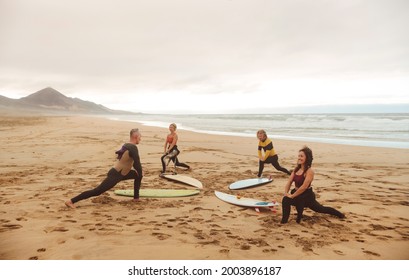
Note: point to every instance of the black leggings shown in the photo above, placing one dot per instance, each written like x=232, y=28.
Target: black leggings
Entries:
x=113, y=178
x=306, y=199
x=174, y=159
x=274, y=161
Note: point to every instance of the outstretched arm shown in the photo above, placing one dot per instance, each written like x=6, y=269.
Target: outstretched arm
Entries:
x=134, y=154
x=288, y=185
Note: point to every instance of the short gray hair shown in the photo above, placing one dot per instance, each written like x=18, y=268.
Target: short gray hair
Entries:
x=134, y=130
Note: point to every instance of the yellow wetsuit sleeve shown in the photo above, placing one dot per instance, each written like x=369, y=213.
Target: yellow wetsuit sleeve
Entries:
x=267, y=146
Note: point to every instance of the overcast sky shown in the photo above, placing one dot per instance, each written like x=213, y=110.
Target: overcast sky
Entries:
x=207, y=55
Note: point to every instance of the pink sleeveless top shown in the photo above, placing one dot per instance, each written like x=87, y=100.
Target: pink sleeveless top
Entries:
x=169, y=139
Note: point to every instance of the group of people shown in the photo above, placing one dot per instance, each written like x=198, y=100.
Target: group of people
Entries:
x=128, y=166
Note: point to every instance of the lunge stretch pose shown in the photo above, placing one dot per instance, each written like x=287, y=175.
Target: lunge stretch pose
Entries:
x=270, y=156
x=302, y=195
x=128, y=157
x=171, y=150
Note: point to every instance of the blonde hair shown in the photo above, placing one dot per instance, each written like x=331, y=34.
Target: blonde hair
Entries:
x=262, y=131
x=174, y=125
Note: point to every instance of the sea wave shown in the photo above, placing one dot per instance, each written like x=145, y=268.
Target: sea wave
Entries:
x=376, y=130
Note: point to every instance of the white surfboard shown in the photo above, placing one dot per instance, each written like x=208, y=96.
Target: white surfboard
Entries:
x=184, y=179
x=249, y=183
x=245, y=202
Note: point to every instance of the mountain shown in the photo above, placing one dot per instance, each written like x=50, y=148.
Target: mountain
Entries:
x=51, y=100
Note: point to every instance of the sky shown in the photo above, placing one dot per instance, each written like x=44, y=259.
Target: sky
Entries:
x=213, y=56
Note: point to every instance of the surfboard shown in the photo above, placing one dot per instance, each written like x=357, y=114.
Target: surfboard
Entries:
x=245, y=202
x=249, y=183
x=183, y=179
x=158, y=192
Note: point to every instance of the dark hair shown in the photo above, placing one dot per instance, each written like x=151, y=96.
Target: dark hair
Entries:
x=309, y=158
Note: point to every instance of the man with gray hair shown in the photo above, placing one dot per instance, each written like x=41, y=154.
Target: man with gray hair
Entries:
x=128, y=157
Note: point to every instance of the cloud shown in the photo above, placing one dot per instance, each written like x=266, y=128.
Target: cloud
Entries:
x=199, y=47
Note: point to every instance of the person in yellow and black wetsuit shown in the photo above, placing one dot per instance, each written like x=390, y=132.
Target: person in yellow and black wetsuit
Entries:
x=270, y=156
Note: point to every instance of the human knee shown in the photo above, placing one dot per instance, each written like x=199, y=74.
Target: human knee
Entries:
x=286, y=200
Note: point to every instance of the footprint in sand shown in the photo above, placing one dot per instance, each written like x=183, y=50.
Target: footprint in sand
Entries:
x=199, y=235
x=7, y=227
x=60, y=229
x=245, y=247
x=371, y=253
x=258, y=242
x=269, y=250
x=161, y=236
x=214, y=242
x=41, y=250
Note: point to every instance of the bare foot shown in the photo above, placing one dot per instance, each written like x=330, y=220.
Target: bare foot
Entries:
x=135, y=200
x=69, y=203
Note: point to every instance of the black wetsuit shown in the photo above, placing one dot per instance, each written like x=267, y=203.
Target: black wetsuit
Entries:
x=114, y=176
x=173, y=154
x=306, y=199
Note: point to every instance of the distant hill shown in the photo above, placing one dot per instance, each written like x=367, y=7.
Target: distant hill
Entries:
x=51, y=100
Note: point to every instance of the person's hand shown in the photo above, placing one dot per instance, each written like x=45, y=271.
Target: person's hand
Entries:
x=289, y=195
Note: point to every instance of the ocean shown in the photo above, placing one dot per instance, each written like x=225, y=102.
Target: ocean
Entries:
x=373, y=130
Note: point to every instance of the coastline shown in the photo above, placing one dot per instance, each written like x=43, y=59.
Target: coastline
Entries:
x=364, y=130
x=58, y=157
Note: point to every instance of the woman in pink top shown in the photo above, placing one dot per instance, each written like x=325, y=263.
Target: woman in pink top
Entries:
x=302, y=195
x=171, y=149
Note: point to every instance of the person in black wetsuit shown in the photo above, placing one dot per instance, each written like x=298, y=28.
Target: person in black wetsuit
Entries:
x=302, y=195
x=128, y=157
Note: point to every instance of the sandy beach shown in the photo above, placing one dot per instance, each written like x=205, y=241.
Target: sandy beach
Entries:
x=46, y=160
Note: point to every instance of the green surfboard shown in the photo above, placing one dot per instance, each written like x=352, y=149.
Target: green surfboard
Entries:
x=158, y=192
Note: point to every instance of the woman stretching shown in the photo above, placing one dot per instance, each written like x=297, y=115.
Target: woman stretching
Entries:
x=302, y=195
x=171, y=151
x=265, y=144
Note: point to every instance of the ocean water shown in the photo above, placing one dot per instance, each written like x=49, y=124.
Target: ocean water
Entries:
x=374, y=130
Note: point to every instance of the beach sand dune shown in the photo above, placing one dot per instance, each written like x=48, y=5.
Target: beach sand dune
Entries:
x=46, y=160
